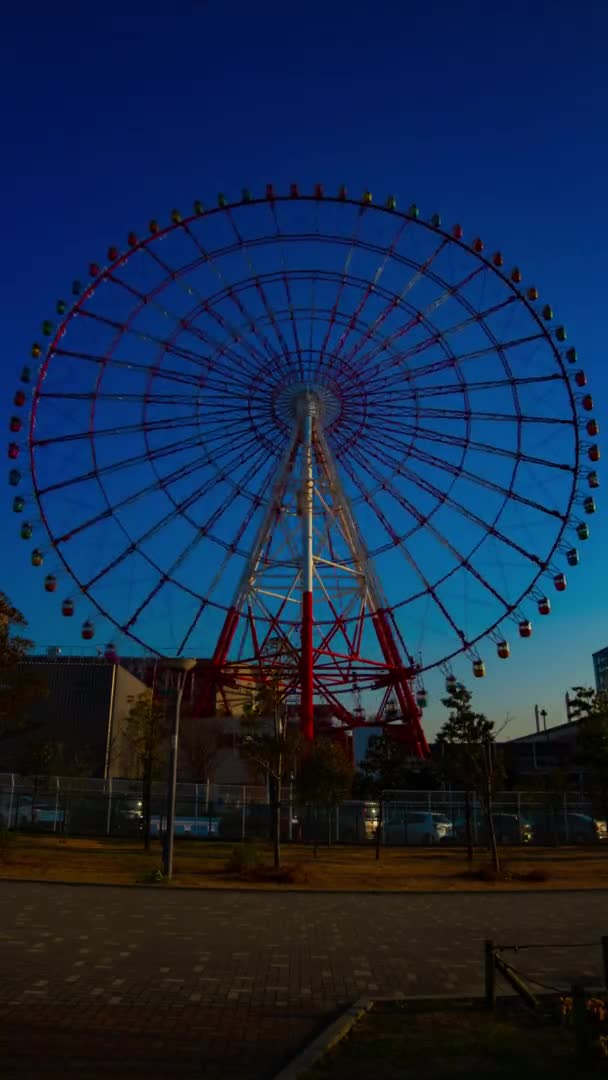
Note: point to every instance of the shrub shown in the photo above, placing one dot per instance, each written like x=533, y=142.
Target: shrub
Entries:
x=244, y=858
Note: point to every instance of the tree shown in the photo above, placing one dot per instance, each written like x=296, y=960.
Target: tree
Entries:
x=200, y=743
x=325, y=776
x=467, y=738
x=266, y=740
x=388, y=766
x=39, y=761
x=590, y=711
x=147, y=730
x=20, y=689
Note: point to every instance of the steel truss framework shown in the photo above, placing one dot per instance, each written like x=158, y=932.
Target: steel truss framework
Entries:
x=251, y=417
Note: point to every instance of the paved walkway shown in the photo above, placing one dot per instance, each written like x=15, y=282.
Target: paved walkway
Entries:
x=217, y=984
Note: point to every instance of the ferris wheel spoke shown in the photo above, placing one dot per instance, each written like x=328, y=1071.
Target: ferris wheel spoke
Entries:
x=448, y=389
x=231, y=292
x=379, y=379
x=135, y=460
x=425, y=520
x=120, y=429
x=130, y=365
x=422, y=412
x=487, y=527
x=178, y=509
x=444, y=438
x=367, y=290
x=438, y=337
x=400, y=546
x=183, y=325
x=160, y=484
x=394, y=301
x=228, y=555
x=442, y=465
x=268, y=308
x=449, y=292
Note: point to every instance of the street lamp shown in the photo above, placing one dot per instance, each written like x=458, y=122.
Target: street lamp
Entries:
x=181, y=666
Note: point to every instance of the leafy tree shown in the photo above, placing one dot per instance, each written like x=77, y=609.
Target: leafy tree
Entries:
x=20, y=688
x=590, y=710
x=266, y=740
x=388, y=766
x=147, y=730
x=200, y=744
x=467, y=738
x=325, y=776
x=39, y=761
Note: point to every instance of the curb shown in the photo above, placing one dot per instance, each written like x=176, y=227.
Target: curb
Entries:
x=325, y=1042
x=279, y=890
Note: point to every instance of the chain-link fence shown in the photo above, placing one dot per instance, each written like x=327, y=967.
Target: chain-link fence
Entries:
x=83, y=806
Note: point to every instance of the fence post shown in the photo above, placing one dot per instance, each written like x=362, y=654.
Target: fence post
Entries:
x=581, y=1024
x=243, y=797
x=56, y=815
x=490, y=974
x=196, y=802
x=566, y=829
x=337, y=824
x=605, y=959
x=290, y=822
x=10, y=801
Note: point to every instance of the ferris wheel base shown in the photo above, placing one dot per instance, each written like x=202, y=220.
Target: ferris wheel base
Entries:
x=226, y=685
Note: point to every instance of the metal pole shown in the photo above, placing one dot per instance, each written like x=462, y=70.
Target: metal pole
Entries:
x=306, y=702
x=490, y=974
x=182, y=667
x=109, y=809
x=10, y=801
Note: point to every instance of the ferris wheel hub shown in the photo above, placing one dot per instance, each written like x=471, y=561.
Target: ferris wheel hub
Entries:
x=304, y=399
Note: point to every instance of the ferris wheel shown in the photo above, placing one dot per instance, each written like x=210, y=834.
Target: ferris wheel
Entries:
x=312, y=431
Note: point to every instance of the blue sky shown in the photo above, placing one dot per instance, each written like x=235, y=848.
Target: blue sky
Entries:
x=493, y=114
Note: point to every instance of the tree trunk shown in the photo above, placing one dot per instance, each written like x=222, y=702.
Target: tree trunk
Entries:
x=488, y=802
x=276, y=823
x=146, y=799
x=468, y=825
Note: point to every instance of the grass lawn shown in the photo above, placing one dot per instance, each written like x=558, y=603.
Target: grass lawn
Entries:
x=395, y=1042
x=202, y=864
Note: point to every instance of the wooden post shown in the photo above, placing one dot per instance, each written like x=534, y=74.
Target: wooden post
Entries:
x=490, y=975
x=581, y=1025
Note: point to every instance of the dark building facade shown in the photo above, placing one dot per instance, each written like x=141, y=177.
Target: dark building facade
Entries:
x=600, y=670
x=83, y=716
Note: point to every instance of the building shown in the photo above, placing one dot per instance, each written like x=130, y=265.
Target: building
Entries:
x=82, y=717
x=600, y=669
x=532, y=756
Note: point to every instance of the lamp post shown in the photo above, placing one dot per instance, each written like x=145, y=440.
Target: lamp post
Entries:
x=181, y=666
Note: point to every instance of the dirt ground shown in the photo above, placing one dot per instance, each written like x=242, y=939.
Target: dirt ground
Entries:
x=202, y=864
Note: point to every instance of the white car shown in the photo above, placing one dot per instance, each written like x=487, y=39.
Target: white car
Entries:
x=416, y=827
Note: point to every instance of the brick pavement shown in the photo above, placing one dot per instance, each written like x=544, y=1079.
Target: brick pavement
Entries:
x=220, y=984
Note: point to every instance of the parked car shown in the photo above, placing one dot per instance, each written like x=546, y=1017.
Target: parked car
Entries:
x=416, y=827
x=350, y=823
x=552, y=826
x=508, y=829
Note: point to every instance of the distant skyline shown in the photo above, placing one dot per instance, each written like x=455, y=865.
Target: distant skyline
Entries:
x=493, y=115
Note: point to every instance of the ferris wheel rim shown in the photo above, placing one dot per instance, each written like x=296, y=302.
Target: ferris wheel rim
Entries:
x=174, y=226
